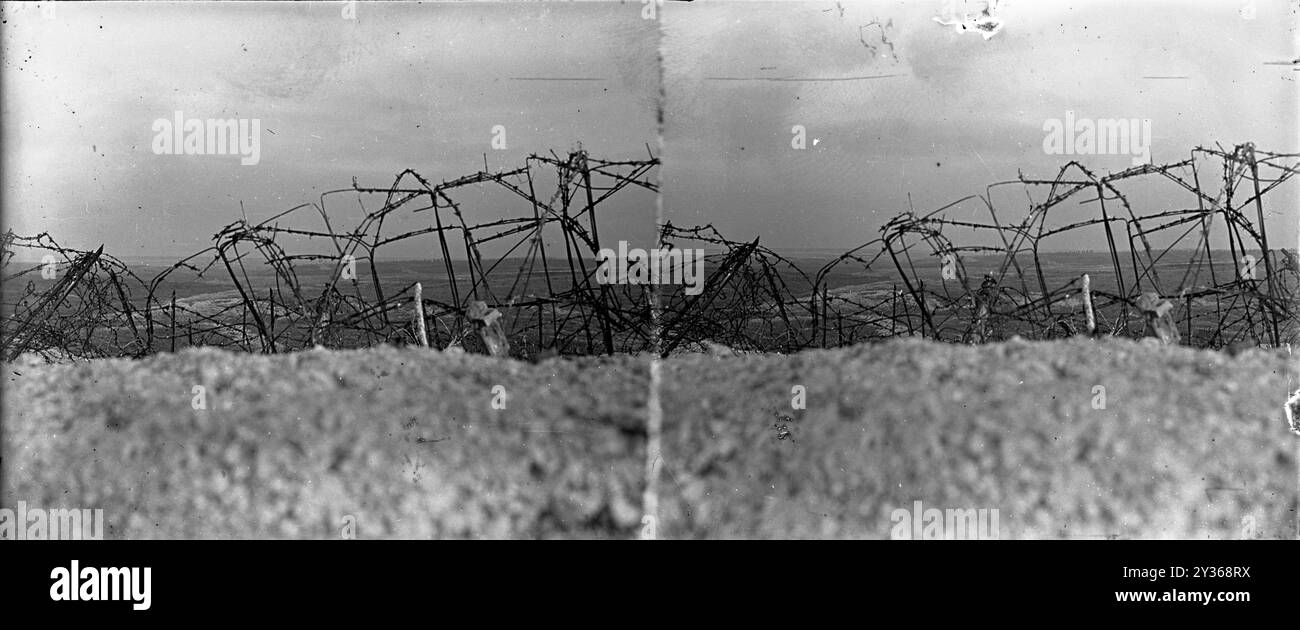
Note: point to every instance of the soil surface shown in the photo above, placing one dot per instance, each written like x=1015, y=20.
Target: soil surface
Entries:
x=1077, y=438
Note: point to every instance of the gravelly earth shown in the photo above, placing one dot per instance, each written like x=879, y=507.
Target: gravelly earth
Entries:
x=409, y=443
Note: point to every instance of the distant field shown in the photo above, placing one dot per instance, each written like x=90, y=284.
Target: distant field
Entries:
x=1058, y=268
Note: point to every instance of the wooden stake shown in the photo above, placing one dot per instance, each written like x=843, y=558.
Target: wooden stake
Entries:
x=270, y=301
x=893, y=312
x=173, y=321
x=421, y=334
x=1087, y=304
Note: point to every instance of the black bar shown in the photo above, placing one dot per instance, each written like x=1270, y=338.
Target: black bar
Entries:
x=438, y=581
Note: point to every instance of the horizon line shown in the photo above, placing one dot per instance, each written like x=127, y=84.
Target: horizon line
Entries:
x=778, y=250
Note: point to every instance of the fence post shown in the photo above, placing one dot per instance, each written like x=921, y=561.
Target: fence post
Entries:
x=825, y=314
x=421, y=334
x=270, y=305
x=1263, y=241
x=173, y=335
x=1087, y=304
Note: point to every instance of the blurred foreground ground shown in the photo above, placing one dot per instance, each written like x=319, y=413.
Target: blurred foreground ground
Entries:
x=409, y=444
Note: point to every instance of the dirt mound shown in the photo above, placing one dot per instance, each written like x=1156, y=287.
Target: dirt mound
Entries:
x=410, y=443
x=1065, y=439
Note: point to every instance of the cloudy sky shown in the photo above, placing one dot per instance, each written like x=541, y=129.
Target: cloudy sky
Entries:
x=958, y=113
x=401, y=86
x=421, y=86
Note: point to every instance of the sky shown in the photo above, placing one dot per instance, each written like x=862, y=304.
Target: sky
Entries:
x=400, y=86
x=952, y=112
x=421, y=86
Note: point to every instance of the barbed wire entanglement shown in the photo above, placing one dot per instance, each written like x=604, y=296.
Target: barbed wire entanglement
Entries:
x=916, y=280
x=94, y=305
x=959, y=273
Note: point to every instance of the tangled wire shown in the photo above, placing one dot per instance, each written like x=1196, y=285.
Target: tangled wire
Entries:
x=913, y=279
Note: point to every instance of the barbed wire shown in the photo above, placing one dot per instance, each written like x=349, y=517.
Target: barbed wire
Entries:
x=752, y=298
